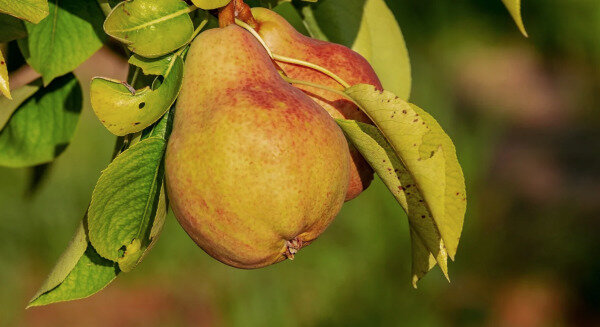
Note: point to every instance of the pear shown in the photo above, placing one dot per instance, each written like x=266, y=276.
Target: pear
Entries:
x=255, y=169
x=283, y=39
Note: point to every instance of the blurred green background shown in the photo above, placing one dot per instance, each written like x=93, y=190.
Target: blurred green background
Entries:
x=524, y=116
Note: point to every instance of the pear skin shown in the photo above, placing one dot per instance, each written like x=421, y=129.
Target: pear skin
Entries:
x=283, y=39
x=255, y=169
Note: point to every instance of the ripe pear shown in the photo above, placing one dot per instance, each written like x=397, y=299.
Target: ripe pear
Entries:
x=283, y=39
x=255, y=169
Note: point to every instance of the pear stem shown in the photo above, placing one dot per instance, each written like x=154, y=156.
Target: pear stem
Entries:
x=318, y=86
x=313, y=66
x=255, y=34
x=289, y=60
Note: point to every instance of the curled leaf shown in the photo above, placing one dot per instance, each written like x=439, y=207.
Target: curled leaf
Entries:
x=151, y=28
x=123, y=110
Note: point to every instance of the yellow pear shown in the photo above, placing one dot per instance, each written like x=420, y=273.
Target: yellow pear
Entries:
x=255, y=169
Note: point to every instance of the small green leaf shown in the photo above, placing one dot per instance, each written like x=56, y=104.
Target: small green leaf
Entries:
x=210, y=4
x=4, y=87
x=379, y=153
x=11, y=28
x=65, y=39
x=125, y=200
x=30, y=10
x=151, y=28
x=91, y=274
x=42, y=127
x=7, y=107
x=514, y=7
x=427, y=153
x=123, y=110
x=152, y=66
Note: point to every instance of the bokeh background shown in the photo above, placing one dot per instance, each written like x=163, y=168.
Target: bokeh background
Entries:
x=524, y=114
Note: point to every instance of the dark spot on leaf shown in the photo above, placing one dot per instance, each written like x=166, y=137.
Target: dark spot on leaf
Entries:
x=404, y=112
x=142, y=105
x=136, y=123
x=1, y=62
x=401, y=188
x=423, y=216
x=416, y=120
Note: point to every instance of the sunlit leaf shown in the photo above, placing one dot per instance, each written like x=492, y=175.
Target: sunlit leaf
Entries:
x=381, y=42
x=378, y=152
x=514, y=7
x=151, y=28
x=123, y=110
x=125, y=201
x=70, y=34
x=30, y=10
x=42, y=127
x=4, y=87
x=11, y=28
x=369, y=28
x=427, y=153
x=210, y=4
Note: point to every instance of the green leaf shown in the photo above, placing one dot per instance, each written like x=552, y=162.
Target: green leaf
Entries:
x=123, y=110
x=4, y=88
x=369, y=28
x=210, y=4
x=427, y=153
x=70, y=34
x=125, y=201
x=380, y=154
x=151, y=28
x=67, y=261
x=7, y=107
x=11, y=28
x=514, y=7
x=90, y=274
x=42, y=127
x=152, y=66
x=30, y=10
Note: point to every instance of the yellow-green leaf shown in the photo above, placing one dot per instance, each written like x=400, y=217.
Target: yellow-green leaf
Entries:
x=379, y=153
x=210, y=4
x=381, y=42
x=123, y=110
x=427, y=153
x=514, y=7
x=4, y=88
x=30, y=10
